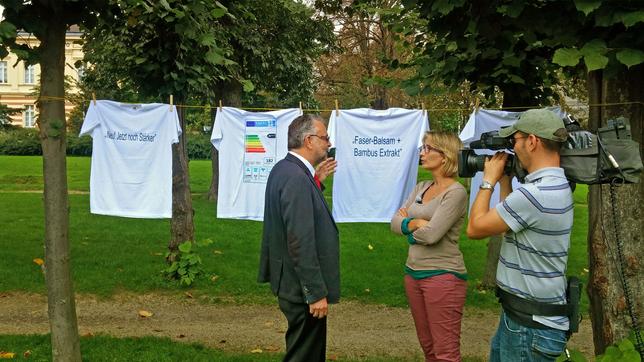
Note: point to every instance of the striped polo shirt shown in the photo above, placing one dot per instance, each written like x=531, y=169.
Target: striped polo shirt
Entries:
x=534, y=253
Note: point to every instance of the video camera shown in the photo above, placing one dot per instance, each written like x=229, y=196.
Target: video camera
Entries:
x=586, y=158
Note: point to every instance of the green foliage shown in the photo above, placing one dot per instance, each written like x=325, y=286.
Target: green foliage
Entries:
x=199, y=147
x=156, y=49
x=623, y=351
x=186, y=266
x=26, y=142
x=20, y=141
x=488, y=44
x=521, y=43
x=143, y=51
x=5, y=114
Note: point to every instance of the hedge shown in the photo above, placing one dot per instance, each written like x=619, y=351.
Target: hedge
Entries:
x=26, y=142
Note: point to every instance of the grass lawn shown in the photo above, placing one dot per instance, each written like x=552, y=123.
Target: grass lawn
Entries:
x=104, y=348
x=111, y=254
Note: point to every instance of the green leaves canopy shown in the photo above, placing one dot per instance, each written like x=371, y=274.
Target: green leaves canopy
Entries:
x=186, y=47
x=159, y=48
x=524, y=42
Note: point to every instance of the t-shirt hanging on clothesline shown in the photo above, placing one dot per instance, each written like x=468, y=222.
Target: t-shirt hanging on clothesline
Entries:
x=481, y=121
x=249, y=144
x=377, y=153
x=131, y=172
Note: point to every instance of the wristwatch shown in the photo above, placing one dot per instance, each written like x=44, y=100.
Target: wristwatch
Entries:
x=485, y=185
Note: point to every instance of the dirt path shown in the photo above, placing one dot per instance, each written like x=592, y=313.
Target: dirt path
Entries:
x=355, y=330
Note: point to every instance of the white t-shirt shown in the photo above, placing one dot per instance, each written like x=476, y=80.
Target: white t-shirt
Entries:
x=377, y=153
x=131, y=171
x=249, y=144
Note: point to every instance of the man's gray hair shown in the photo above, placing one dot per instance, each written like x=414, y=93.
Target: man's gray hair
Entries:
x=301, y=127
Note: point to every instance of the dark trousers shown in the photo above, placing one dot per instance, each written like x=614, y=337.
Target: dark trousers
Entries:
x=306, y=335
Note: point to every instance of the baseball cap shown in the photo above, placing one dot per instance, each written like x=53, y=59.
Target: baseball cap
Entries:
x=539, y=122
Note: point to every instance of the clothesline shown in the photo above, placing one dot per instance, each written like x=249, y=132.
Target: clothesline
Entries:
x=49, y=98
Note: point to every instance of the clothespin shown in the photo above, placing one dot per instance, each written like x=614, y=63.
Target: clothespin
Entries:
x=476, y=104
x=94, y=98
x=300, y=105
x=337, y=109
x=171, y=102
x=422, y=105
x=221, y=105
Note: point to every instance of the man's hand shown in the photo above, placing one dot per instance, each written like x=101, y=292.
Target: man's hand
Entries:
x=319, y=309
x=325, y=168
x=494, y=166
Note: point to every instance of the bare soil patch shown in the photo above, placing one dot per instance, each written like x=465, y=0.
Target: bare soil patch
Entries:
x=355, y=329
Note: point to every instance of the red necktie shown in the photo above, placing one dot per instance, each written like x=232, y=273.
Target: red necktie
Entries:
x=317, y=181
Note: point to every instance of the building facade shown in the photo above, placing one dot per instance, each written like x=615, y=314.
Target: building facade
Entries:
x=18, y=81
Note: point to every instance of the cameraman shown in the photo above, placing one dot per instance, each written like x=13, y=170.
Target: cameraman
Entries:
x=537, y=221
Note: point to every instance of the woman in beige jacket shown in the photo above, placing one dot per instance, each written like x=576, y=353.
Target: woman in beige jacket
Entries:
x=432, y=218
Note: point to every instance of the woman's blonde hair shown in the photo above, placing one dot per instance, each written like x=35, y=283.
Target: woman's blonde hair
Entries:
x=449, y=144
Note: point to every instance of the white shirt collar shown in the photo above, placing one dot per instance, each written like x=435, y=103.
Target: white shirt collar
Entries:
x=305, y=161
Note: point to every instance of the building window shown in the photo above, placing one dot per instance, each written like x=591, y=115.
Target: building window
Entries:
x=3, y=72
x=29, y=116
x=30, y=74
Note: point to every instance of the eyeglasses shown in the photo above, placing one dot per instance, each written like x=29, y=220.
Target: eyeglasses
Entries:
x=513, y=141
x=426, y=148
x=323, y=138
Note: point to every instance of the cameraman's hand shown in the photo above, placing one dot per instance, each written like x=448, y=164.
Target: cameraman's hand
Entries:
x=493, y=170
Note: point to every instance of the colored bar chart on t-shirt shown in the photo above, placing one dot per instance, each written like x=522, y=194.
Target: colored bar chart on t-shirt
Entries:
x=254, y=144
x=259, y=148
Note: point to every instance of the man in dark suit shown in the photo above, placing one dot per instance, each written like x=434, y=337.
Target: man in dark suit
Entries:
x=300, y=254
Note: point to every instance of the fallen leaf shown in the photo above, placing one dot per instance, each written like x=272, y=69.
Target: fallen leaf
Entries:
x=257, y=350
x=214, y=278
x=272, y=348
x=268, y=324
x=189, y=295
x=332, y=357
x=88, y=334
x=218, y=252
x=145, y=314
x=158, y=254
x=26, y=354
x=7, y=355
x=368, y=290
x=370, y=247
x=39, y=261
x=586, y=270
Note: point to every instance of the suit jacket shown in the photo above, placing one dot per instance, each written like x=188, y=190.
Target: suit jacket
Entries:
x=300, y=254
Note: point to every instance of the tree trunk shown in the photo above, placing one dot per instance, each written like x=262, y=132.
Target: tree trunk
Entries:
x=380, y=100
x=230, y=94
x=609, y=310
x=60, y=292
x=511, y=98
x=182, y=228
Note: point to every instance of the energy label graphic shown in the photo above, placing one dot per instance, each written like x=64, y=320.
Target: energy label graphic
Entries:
x=260, y=148
x=254, y=144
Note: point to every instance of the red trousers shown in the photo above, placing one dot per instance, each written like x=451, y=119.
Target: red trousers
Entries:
x=437, y=307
